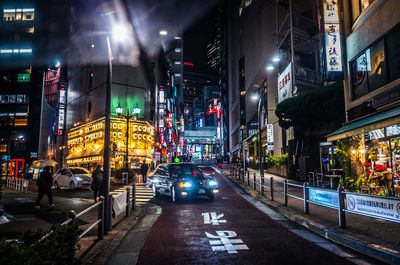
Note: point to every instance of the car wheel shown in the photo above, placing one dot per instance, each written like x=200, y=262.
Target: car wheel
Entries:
x=56, y=186
x=155, y=191
x=211, y=196
x=174, y=194
x=72, y=185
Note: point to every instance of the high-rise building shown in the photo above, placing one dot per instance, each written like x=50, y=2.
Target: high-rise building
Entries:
x=29, y=45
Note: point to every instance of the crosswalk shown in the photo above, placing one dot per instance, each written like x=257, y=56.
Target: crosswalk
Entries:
x=143, y=194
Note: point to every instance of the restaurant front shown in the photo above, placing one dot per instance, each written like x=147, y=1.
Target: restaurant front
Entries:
x=374, y=152
x=86, y=143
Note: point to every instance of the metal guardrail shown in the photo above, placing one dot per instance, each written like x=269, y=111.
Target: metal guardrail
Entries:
x=19, y=184
x=72, y=216
x=338, y=201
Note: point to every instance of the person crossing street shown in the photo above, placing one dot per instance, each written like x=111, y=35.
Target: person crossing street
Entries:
x=144, y=168
x=44, y=182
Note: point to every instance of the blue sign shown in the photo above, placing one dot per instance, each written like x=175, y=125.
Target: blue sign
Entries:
x=326, y=197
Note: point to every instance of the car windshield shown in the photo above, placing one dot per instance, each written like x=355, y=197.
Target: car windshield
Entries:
x=79, y=171
x=185, y=169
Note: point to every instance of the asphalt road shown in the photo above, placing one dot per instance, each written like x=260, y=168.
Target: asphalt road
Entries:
x=241, y=234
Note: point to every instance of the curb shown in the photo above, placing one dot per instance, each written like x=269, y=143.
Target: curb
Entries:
x=377, y=252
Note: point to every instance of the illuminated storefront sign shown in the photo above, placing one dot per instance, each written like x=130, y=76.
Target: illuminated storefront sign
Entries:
x=170, y=120
x=86, y=142
x=24, y=77
x=333, y=49
x=285, y=84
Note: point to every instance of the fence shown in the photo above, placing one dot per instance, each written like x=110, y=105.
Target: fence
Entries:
x=127, y=203
x=18, y=184
x=373, y=206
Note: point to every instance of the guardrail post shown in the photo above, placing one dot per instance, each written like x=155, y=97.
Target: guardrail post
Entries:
x=261, y=185
x=128, y=202
x=285, y=189
x=72, y=216
x=254, y=182
x=133, y=196
x=248, y=178
x=305, y=196
x=242, y=174
x=100, y=226
x=272, y=188
x=342, y=213
x=109, y=215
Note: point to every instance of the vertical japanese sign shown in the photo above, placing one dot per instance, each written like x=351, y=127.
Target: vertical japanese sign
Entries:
x=270, y=136
x=285, y=84
x=62, y=100
x=333, y=49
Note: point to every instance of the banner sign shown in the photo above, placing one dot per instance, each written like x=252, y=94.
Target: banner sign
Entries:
x=285, y=84
x=374, y=206
x=326, y=197
x=270, y=136
x=333, y=49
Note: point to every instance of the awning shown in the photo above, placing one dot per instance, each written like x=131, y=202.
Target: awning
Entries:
x=371, y=123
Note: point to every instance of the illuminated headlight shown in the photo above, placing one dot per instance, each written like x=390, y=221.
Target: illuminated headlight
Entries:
x=155, y=180
x=185, y=184
x=78, y=178
x=212, y=183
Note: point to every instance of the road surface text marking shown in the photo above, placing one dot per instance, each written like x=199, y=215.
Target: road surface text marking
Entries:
x=225, y=243
x=213, y=218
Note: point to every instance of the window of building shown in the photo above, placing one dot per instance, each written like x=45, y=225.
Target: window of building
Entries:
x=393, y=54
x=25, y=14
x=378, y=65
x=358, y=6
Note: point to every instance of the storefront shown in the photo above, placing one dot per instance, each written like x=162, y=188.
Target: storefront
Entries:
x=86, y=142
x=374, y=147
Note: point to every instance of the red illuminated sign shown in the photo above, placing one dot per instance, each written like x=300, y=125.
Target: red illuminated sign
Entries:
x=170, y=120
x=162, y=140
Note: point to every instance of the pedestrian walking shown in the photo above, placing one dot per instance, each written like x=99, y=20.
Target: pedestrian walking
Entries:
x=44, y=182
x=143, y=170
x=97, y=185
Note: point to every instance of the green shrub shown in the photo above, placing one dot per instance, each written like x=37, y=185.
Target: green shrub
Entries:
x=118, y=173
x=59, y=248
x=276, y=160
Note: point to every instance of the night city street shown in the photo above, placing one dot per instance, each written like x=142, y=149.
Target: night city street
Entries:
x=199, y=132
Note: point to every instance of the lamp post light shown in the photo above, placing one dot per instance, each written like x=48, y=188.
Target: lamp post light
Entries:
x=119, y=110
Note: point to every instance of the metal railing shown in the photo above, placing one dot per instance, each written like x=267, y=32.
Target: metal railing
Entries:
x=19, y=184
x=337, y=199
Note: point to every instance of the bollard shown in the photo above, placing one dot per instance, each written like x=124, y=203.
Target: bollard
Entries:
x=342, y=213
x=133, y=196
x=272, y=188
x=254, y=182
x=100, y=226
x=285, y=188
x=305, y=196
x=128, y=202
x=72, y=216
x=261, y=185
x=248, y=178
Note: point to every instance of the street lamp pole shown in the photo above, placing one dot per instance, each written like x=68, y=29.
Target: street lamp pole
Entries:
x=260, y=153
x=106, y=152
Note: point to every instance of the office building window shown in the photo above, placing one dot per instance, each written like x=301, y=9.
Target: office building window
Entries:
x=25, y=14
x=12, y=99
x=378, y=65
x=393, y=54
x=358, y=6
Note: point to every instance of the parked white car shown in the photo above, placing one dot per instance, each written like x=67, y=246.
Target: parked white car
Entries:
x=74, y=177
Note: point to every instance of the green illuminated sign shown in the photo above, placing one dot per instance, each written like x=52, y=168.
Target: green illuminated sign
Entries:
x=177, y=160
x=24, y=77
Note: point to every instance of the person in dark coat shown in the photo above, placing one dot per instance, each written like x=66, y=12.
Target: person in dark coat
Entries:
x=44, y=182
x=97, y=185
x=143, y=170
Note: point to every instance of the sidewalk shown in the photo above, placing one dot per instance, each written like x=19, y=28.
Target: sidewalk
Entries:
x=373, y=237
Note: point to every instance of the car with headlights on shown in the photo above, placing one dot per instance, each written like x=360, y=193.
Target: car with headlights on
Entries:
x=182, y=181
x=73, y=178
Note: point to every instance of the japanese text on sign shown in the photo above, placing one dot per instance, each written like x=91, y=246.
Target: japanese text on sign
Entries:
x=332, y=36
x=377, y=207
x=285, y=84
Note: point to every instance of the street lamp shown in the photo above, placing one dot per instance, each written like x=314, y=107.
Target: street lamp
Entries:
x=119, y=110
x=117, y=36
